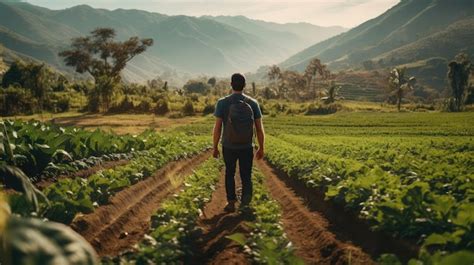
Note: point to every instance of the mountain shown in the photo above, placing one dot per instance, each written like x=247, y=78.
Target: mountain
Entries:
x=411, y=31
x=186, y=44
x=288, y=36
x=3, y=65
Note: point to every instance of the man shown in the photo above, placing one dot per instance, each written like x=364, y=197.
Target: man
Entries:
x=238, y=114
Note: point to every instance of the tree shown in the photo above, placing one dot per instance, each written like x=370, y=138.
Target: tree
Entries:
x=103, y=58
x=212, y=81
x=275, y=76
x=156, y=84
x=332, y=93
x=315, y=67
x=399, y=84
x=458, y=76
x=195, y=86
x=40, y=83
x=267, y=93
x=222, y=88
x=274, y=73
x=38, y=78
x=294, y=83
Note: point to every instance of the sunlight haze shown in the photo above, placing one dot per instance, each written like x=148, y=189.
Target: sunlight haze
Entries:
x=346, y=13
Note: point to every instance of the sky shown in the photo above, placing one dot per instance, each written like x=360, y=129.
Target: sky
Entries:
x=346, y=13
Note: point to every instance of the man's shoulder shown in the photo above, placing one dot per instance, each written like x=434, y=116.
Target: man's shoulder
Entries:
x=222, y=100
x=251, y=99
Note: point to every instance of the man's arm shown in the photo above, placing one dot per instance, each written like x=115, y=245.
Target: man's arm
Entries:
x=260, y=138
x=216, y=137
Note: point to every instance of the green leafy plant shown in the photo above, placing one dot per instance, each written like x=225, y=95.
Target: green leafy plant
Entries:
x=32, y=241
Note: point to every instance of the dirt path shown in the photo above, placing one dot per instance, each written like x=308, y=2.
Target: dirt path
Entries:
x=81, y=173
x=130, y=210
x=309, y=230
x=213, y=247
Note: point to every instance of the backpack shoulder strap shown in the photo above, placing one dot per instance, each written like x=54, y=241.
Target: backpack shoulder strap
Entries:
x=247, y=100
x=227, y=110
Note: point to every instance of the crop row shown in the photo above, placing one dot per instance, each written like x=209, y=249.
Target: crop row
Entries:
x=174, y=229
x=408, y=209
x=444, y=165
x=371, y=124
x=268, y=243
x=35, y=147
x=70, y=196
x=173, y=226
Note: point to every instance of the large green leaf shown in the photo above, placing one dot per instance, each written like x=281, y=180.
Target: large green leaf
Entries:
x=238, y=237
x=21, y=182
x=458, y=258
x=32, y=241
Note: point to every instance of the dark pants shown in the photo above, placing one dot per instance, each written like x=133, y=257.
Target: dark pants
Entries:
x=245, y=158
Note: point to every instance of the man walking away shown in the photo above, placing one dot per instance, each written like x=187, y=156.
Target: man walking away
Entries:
x=239, y=114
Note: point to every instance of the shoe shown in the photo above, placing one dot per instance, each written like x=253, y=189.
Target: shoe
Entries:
x=244, y=206
x=247, y=211
x=230, y=207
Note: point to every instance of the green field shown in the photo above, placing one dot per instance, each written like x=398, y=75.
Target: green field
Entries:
x=408, y=176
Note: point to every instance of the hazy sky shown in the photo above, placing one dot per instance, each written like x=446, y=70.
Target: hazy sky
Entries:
x=347, y=13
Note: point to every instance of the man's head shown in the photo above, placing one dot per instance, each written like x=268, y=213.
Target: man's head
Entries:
x=238, y=82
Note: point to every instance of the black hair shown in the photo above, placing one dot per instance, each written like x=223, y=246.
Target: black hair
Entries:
x=238, y=82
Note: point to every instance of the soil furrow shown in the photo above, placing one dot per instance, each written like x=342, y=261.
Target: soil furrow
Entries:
x=213, y=247
x=121, y=223
x=310, y=230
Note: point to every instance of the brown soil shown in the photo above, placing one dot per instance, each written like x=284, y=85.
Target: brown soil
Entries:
x=124, y=123
x=81, y=173
x=309, y=230
x=129, y=210
x=213, y=247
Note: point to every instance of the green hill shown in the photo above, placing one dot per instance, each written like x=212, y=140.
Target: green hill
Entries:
x=419, y=29
x=448, y=42
x=186, y=44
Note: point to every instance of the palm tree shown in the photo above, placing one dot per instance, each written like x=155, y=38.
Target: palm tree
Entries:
x=332, y=93
x=399, y=84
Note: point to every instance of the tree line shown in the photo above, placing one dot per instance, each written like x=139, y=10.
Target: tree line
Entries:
x=32, y=87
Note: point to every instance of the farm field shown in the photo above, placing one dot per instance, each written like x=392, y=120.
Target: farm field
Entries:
x=349, y=188
x=117, y=123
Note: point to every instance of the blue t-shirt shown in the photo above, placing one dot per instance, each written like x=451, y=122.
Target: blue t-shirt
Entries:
x=222, y=108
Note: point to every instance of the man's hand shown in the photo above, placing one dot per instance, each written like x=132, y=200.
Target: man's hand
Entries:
x=216, y=136
x=261, y=139
x=216, y=153
x=260, y=153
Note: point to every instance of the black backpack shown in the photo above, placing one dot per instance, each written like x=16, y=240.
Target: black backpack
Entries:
x=240, y=120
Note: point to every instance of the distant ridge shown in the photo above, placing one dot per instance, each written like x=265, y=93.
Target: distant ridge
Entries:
x=292, y=36
x=401, y=27
x=182, y=43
